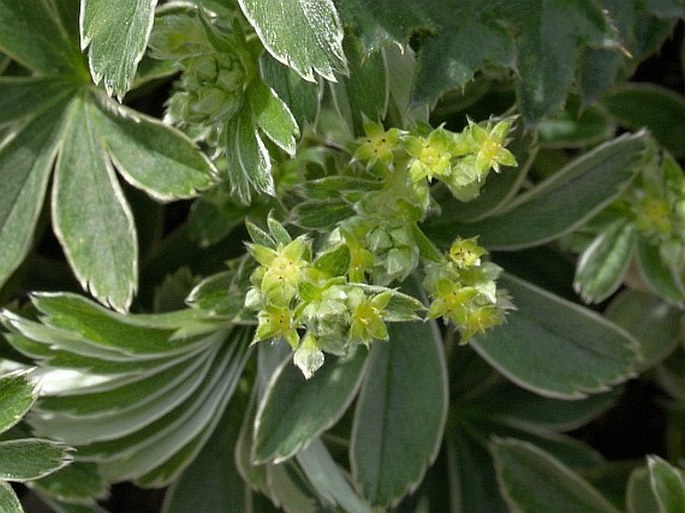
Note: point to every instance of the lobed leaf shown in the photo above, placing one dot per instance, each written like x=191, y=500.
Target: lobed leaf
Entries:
x=303, y=34
x=116, y=33
x=77, y=482
x=556, y=348
x=603, y=265
x=273, y=117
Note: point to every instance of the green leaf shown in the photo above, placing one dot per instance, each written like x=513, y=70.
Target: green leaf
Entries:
x=401, y=412
x=660, y=277
x=654, y=323
x=21, y=97
x=660, y=110
x=211, y=482
x=9, y=502
x=273, y=117
x=16, y=397
x=90, y=215
x=552, y=32
x=249, y=163
x=570, y=129
x=668, y=485
x=151, y=155
x=77, y=482
x=32, y=33
x=327, y=478
x=450, y=58
x=385, y=21
x=116, y=34
x=532, y=481
x=639, y=493
x=564, y=201
x=303, y=34
x=603, y=265
x=22, y=460
x=513, y=406
x=294, y=411
x=302, y=98
x=29, y=154
x=556, y=348
x=367, y=85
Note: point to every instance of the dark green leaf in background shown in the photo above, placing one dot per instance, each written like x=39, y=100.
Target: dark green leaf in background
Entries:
x=116, y=34
x=659, y=276
x=652, y=321
x=532, y=481
x=32, y=33
x=401, y=412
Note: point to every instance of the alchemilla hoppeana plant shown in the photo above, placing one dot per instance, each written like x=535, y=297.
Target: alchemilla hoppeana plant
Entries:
x=317, y=256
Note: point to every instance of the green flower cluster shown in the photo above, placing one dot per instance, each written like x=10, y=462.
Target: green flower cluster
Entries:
x=461, y=161
x=463, y=289
x=383, y=237
x=313, y=302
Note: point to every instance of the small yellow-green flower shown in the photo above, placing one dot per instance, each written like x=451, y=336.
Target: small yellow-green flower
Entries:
x=466, y=252
x=281, y=269
x=479, y=320
x=490, y=142
x=366, y=323
x=378, y=145
x=277, y=322
x=431, y=156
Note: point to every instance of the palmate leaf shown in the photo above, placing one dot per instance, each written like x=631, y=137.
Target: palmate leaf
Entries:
x=538, y=39
x=303, y=34
x=89, y=135
x=667, y=484
x=116, y=34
